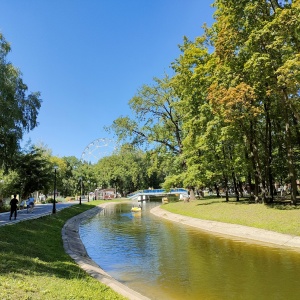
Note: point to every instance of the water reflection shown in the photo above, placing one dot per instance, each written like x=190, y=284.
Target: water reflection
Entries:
x=166, y=260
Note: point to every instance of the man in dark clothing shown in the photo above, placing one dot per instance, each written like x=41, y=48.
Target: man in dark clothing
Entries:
x=13, y=206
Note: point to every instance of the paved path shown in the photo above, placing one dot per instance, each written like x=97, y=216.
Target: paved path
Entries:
x=38, y=211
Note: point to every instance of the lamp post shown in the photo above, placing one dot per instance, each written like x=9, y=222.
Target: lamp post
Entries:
x=88, y=193
x=95, y=191
x=80, y=190
x=54, y=207
x=1, y=195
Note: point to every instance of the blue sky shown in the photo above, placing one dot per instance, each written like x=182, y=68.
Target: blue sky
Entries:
x=88, y=58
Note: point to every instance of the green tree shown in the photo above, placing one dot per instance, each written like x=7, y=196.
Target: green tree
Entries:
x=253, y=55
x=126, y=170
x=70, y=180
x=7, y=183
x=193, y=73
x=156, y=120
x=35, y=172
x=18, y=109
x=157, y=125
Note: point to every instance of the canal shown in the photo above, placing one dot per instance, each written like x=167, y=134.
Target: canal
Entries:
x=165, y=260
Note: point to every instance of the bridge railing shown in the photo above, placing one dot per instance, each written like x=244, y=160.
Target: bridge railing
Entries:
x=157, y=192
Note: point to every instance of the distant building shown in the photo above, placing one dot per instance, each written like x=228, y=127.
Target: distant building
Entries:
x=105, y=194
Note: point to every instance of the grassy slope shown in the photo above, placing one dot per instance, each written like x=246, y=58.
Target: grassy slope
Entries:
x=279, y=218
x=34, y=265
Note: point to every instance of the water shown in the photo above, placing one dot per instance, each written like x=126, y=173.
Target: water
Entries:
x=165, y=260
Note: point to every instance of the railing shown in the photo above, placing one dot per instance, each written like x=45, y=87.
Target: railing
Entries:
x=157, y=192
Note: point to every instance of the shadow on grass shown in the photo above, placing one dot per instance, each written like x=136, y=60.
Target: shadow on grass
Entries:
x=282, y=206
x=208, y=200
x=245, y=201
x=35, y=246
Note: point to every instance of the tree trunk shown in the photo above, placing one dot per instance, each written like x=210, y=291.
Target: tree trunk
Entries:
x=217, y=190
x=290, y=154
x=249, y=178
x=192, y=194
x=255, y=163
x=269, y=157
x=226, y=188
x=240, y=188
x=235, y=187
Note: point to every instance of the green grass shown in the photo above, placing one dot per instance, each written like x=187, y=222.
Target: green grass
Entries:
x=279, y=218
x=34, y=265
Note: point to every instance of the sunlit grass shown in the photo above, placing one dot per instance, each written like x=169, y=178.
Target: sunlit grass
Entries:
x=34, y=265
x=279, y=218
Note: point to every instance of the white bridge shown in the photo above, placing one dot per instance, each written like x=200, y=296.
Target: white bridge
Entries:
x=142, y=194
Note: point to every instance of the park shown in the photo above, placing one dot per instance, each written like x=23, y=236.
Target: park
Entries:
x=194, y=190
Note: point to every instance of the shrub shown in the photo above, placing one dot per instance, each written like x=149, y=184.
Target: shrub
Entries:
x=70, y=199
x=49, y=200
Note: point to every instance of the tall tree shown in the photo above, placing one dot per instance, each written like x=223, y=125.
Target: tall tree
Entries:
x=35, y=172
x=126, y=170
x=18, y=109
x=252, y=55
x=156, y=123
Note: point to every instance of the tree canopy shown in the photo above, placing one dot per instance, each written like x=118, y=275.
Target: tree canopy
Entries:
x=229, y=115
x=18, y=108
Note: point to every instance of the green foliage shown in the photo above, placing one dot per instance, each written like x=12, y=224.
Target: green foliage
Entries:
x=7, y=183
x=18, y=109
x=156, y=125
x=229, y=115
x=126, y=170
x=35, y=172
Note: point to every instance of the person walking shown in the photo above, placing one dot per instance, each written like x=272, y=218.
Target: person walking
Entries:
x=13, y=206
x=30, y=204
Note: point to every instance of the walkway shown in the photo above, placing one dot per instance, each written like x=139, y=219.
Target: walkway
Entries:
x=39, y=210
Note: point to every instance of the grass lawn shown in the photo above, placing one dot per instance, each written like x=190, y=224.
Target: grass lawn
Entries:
x=34, y=265
x=279, y=218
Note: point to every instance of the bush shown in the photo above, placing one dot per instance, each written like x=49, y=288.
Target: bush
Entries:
x=70, y=199
x=49, y=200
x=57, y=199
x=4, y=208
x=60, y=199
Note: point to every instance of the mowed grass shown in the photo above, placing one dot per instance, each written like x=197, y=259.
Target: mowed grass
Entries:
x=34, y=265
x=279, y=218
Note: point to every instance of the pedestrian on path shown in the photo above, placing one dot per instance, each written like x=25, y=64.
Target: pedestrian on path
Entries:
x=30, y=204
x=13, y=206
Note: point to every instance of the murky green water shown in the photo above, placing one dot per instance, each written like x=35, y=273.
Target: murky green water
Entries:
x=165, y=260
